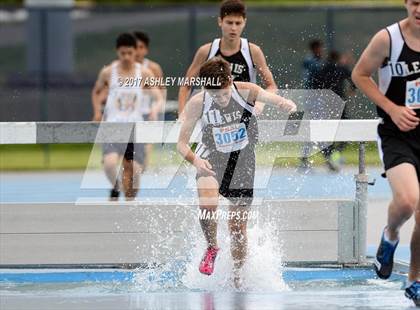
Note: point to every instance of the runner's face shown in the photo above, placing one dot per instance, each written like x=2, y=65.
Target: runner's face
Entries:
x=141, y=50
x=221, y=96
x=232, y=26
x=126, y=54
x=413, y=10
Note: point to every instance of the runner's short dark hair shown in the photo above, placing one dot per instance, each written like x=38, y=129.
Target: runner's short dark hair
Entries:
x=232, y=7
x=125, y=39
x=216, y=69
x=143, y=37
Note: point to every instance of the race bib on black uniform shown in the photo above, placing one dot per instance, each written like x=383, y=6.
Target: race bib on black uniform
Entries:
x=230, y=138
x=412, y=95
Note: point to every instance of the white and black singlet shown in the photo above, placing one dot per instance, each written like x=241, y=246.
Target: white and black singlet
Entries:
x=399, y=80
x=241, y=63
x=229, y=136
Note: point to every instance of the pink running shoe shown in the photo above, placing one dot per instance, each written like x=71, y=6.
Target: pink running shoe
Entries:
x=207, y=263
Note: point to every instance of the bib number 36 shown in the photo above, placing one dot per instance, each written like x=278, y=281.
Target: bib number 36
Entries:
x=412, y=96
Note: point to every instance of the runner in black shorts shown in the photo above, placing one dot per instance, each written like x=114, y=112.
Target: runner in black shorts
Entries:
x=131, y=151
x=225, y=158
x=395, y=53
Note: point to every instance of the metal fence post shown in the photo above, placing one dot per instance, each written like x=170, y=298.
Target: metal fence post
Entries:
x=360, y=219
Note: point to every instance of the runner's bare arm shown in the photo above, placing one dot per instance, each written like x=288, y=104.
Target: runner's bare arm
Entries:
x=264, y=72
x=157, y=72
x=255, y=93
x=192, y=113
x=155, y=92
x=100, y=86
x=199, y=58
x=262, y=67
x=156, y=69
x=371, y=60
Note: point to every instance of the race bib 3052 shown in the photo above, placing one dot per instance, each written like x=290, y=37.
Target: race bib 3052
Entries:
x=230, y=138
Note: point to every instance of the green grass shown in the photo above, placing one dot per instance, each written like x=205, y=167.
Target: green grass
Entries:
x=286, y=155
x=46, y=157
x=76, y=156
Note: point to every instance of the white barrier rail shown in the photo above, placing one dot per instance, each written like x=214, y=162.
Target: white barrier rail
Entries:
x=167, y=132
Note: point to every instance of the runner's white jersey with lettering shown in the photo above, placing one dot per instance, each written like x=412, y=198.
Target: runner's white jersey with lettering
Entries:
x=227, y=129
x=124, y=99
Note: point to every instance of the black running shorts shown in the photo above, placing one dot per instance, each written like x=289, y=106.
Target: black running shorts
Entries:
x=131, y=151
x=235, y=174
x=397, y=147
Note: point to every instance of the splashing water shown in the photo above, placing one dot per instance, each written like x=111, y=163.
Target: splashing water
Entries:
x=262, y=271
